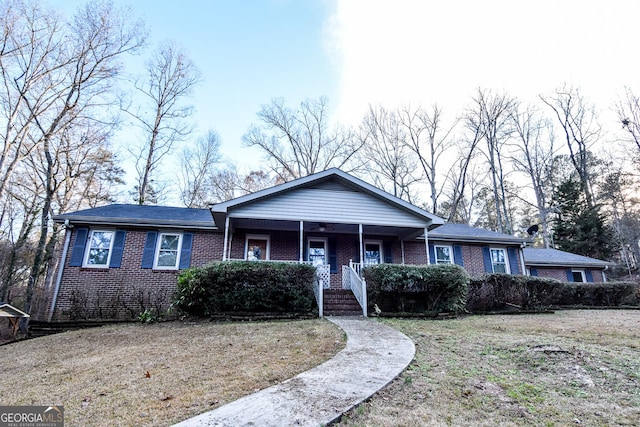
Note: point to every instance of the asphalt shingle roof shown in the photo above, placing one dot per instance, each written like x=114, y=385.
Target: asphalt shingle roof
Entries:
x=141, y=215
x=554, y=257
x=466, y=233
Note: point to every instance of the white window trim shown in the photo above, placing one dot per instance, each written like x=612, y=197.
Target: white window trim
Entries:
x=87, y=249
x=375, y=242
x=582, y=273
x=435, y=254
x=507, y=268
x=326, y=247
x=257, y=237
x=157, y=251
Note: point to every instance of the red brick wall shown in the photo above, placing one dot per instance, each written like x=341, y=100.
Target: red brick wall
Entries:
x=126, y=291
x=560, y=273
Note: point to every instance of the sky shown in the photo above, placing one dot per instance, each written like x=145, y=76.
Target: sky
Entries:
x=395, y=52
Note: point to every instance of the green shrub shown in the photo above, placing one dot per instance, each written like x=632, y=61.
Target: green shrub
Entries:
x=495, y=292
x=430, y=288
x=246, y=287
x=609, y=294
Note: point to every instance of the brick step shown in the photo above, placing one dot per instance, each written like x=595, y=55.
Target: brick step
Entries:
x=340, y=302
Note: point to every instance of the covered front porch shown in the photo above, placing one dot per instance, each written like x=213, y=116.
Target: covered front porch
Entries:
x=339, y=251
x=327, y=219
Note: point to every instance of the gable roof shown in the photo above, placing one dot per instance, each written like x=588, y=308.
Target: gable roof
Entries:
x=325, y=184
x=539, y=257
x=464, y=233
x=7, y=310
x=141, y=215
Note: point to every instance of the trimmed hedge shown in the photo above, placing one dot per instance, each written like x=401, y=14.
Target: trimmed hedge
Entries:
x=498, y=292
x=429, y=288
x=245, y=287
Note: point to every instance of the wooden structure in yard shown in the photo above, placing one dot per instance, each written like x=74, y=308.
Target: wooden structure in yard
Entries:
x=13, y=315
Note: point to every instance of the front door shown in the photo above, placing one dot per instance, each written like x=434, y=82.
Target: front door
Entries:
x=317, y=255
x=372, y=253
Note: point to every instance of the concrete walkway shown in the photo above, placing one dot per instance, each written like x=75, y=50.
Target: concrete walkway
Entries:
x=374, y=355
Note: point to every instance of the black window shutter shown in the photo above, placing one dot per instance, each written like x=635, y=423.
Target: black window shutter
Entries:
x=432, y=254
x=185, y=252
x=118, y=249
x=534, y=271
x=387, y=248
x=486, y=257
x=149, y=249
x=589, y=276
x=457, y=255
x=333, y=256
x=514, y=265
x=77, y=254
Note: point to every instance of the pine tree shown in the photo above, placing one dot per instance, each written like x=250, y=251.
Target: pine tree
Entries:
x=578, y=228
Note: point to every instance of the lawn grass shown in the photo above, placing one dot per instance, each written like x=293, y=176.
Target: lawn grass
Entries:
x=568, y=368
x=159, y=374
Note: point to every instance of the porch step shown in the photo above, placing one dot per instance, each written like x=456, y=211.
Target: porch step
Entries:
x=340, y=302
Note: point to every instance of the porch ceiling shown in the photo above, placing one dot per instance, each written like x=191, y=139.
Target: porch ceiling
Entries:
x=325, y=228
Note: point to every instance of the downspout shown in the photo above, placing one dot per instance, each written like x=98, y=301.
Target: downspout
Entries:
x=65, y=250
x=426, y=243
x=226, y=236
x=524, y=267
x=302, y=242
x=402, y=250
x=361, y=247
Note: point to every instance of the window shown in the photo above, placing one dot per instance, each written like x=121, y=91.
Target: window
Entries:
x=499, y=261
x=99, y=248
x=372, y=253
x=168, y=251
x=578, y=276
x=317, y=251
x=256, y=248
x=443, y=255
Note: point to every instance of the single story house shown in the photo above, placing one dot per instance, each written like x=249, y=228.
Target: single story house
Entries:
x=118, y=260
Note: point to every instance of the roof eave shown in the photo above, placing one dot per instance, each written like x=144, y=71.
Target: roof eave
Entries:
x=476, y=240
x=135, y=222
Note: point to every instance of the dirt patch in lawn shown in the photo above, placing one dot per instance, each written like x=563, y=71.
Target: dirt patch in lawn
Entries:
x=568, y=368
x=155, y=375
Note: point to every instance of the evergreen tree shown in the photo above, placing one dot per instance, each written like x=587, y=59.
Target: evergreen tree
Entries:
x=578, y=228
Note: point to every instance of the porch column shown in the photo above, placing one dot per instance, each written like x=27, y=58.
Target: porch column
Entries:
x=523, y=266
x=402, y=250
x=361, y=245
x=426, y=243
x=301, y=241
x=226, y=237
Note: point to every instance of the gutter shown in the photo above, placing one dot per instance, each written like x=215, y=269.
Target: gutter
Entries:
x=65, y=250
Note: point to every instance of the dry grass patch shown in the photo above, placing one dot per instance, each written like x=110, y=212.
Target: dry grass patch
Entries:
x=153, y=375
x=567, y=368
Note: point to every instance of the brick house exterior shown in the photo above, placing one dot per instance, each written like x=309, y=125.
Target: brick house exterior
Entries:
x=119, y=260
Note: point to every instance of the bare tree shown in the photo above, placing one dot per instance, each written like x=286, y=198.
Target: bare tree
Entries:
x=197, y=165
x=460, y=176
x=389, y=160
x=628, y=110
x=492, y=116
x=227, y=183
x=533, y=154
x=427, y=137
x=581, y=131
x=300, y=142
x=58, y=75
x=171, y=77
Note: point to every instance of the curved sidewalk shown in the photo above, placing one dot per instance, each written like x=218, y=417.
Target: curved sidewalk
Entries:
x=374, y=355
